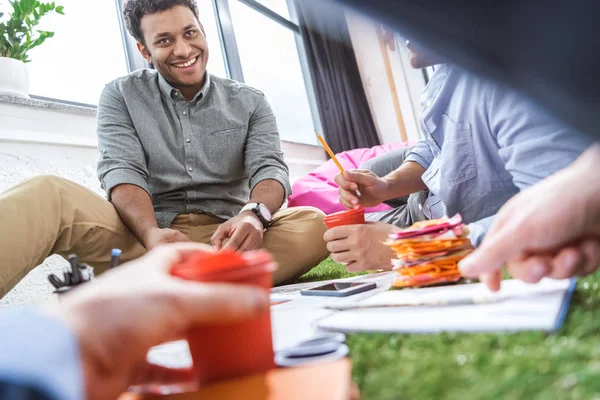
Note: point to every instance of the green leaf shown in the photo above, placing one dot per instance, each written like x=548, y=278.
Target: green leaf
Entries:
x=17, y=34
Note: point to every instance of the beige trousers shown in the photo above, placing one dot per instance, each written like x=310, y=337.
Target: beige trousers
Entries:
x=49, y=215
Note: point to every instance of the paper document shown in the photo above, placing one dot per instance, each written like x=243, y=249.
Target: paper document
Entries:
x=517, y=307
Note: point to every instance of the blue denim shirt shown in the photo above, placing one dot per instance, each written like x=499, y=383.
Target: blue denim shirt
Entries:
x=482, y=144
x=39, y=358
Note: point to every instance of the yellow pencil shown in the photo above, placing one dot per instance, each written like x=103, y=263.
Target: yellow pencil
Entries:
x=333, y=157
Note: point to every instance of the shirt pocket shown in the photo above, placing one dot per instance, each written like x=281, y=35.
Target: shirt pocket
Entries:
x=227, y=131
x=221, y=154
x=457, y=155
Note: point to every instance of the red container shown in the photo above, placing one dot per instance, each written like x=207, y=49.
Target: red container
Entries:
x=355, y=216
x=223, y=351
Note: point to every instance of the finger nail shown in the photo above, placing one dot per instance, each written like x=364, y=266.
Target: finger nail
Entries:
x=536, y=272
x=258, y=300
x=466, y=266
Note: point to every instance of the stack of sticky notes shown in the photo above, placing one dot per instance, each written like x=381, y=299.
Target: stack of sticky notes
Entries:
x=428, y=252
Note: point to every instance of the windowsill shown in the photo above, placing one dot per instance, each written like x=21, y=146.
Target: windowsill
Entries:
x=49, y=105
x=84, y=110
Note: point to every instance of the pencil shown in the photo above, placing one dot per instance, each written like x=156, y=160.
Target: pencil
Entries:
x=333, y=157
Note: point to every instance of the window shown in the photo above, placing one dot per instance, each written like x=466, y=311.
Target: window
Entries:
x=85, y=53
x=279, y=6
x=216, y=63
x=254, y=41
x=270, y=62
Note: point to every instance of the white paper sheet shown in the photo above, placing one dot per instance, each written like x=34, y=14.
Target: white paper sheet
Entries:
x=523, y=307
x=296, y=319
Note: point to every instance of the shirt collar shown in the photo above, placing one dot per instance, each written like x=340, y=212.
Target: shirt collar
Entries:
x=172, y=93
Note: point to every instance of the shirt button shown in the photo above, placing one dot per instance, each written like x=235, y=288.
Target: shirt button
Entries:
x=184, y=113
x=190, y=169
x=188, y=140
x=429, y=103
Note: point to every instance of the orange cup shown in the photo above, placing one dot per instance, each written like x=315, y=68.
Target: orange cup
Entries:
x=224, y=351
x=355, y=216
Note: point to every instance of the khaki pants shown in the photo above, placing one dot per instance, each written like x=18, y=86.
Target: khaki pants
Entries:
x=49, y=215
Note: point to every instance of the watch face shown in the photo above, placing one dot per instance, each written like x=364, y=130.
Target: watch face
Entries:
x=264, y=211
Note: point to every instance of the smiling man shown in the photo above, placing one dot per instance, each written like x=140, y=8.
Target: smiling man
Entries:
x=185, y=156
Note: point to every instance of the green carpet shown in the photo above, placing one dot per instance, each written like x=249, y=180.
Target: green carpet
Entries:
x=527, y=365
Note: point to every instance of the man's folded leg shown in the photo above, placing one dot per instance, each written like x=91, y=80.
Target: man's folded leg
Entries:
x=49, y=215
x=295, y=239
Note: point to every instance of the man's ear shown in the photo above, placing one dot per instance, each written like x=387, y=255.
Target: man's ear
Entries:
x=144, y=52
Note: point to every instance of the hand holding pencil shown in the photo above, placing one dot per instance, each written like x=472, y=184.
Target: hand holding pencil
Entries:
x=357, y=186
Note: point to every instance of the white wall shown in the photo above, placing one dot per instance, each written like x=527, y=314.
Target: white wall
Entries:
x=408, y=82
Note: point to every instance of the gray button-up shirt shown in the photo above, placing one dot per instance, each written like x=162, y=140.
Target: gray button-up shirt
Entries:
x=483, y=144
x=198, y=156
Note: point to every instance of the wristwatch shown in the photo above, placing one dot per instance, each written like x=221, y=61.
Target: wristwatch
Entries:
x=261, y=211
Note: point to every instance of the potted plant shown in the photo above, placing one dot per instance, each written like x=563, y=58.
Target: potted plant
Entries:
x=17, y=37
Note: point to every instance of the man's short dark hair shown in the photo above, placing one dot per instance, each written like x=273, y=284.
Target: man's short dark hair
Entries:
x=134, y=10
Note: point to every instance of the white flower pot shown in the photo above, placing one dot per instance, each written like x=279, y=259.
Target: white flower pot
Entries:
x=14, y=80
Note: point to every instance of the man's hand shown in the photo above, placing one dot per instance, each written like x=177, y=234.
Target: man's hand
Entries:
x=117, y=318
x=360, y=247
x=372, y=188
x=156, y=236
x=244, y=233
x=551, y=229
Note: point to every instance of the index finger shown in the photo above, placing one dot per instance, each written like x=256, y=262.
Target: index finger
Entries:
x=236, y=239
x=169, y=254
x=497, y=248
x=345, y=184
x=337, y=233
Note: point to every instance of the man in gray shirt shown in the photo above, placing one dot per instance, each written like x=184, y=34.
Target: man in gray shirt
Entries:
x=185, y=156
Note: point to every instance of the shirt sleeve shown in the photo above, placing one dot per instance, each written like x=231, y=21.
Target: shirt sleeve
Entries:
x=264, y=158
x=421, y=154
x=122, y=157
x=478, y=229
x=39, y=353
x=531, y=143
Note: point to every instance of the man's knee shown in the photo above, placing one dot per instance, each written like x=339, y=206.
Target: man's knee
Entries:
x=46, y=184
x=388, y=162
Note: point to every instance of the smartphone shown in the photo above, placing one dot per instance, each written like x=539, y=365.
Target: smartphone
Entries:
x=339, y=289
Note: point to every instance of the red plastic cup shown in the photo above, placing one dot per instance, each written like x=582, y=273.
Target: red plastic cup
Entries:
x=224, y=351
x=355, y=216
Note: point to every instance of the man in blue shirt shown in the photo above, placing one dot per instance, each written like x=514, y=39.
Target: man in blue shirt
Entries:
x=94, y=345
x=482, y=144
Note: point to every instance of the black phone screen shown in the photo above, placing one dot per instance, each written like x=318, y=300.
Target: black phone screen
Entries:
x=337, y=286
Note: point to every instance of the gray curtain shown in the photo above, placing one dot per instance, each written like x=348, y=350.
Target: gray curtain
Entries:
x=343, y=107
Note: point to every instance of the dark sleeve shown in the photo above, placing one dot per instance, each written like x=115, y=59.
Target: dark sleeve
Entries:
x=10, y=391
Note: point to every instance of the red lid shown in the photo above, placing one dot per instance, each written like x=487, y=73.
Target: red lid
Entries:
x=358, y=210
x=204, y=264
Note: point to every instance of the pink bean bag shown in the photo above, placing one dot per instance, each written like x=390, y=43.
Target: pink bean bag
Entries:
x=318, y=189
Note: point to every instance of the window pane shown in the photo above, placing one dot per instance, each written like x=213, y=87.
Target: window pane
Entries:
x=279, y=6
x=216, y=64
x=85, y=53
x=271, y=64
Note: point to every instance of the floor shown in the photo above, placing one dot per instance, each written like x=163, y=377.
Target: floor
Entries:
x=14, y=168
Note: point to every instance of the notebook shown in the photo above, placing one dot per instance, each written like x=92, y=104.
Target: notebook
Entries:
x=517, y=307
